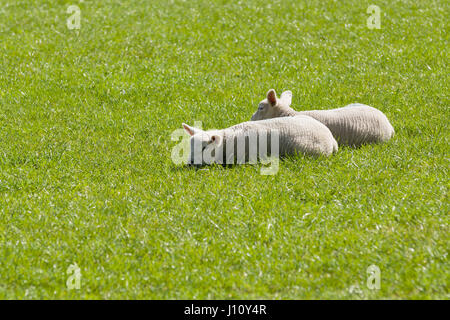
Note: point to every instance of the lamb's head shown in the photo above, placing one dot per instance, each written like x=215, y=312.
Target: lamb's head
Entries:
x=271, y=107
x=203, y=145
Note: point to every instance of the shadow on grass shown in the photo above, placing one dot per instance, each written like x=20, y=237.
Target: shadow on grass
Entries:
x=299, y=157
x=187, y=168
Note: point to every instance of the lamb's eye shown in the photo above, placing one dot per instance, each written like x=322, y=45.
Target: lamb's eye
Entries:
x=261, y=106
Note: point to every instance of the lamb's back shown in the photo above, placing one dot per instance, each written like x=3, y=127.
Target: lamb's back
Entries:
x=296, y=134
x=354, y=124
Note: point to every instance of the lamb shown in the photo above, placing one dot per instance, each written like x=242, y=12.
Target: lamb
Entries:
x=352, y=125
x=287, y=136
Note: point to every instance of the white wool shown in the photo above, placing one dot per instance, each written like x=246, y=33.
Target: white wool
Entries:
x=299, y=134
x=355, y=124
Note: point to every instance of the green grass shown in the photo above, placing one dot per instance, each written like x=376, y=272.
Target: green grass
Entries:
x=86, y=175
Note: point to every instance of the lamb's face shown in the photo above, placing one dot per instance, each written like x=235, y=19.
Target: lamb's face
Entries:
x=203, y=145
x=271, y=107
x=265, y=111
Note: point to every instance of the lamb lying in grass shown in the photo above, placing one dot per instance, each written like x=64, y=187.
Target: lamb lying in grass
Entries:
x=353, y=125
x=247, y=141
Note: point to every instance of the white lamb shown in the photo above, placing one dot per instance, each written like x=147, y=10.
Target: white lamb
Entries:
x=353, y=125
x=247, y=141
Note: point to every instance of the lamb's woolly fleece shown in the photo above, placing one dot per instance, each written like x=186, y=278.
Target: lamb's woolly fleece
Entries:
x=299, y=134
x=354, y=125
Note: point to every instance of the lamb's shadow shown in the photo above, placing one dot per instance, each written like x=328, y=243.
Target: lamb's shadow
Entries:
x=229, y=166
x=187, y=168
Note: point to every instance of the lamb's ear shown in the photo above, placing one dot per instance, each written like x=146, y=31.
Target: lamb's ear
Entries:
x=272, y=97
x=286, y=98
x=216, y=139
x=190, y=130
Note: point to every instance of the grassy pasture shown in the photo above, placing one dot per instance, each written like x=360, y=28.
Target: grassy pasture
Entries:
x=86, y=176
